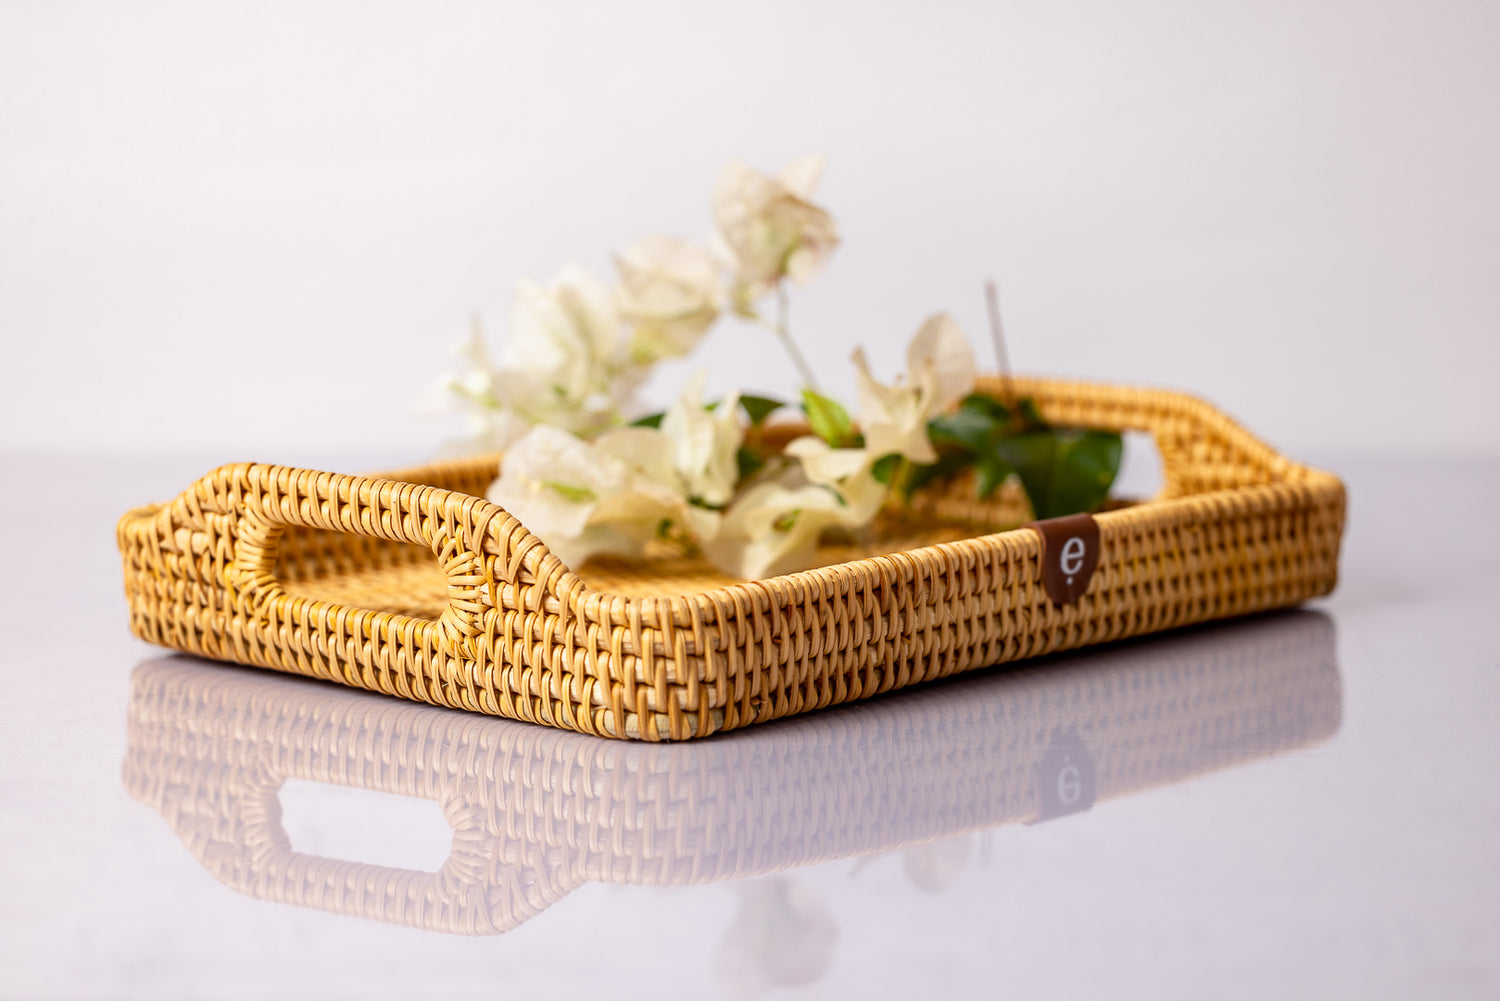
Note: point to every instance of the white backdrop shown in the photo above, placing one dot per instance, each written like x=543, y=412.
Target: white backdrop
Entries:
x=251, y=228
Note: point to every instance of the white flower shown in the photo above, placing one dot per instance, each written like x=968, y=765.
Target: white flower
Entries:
x=940, y=372
x=580, y=498
x=705, y=443
x=553, y=482
x=568, y=325
x=651, y=499
x=563, y=363
x=626, y=487
x=472, y=392
x=475, y=380
x=670, y=293
x=846, y=471
x=771, y=227
x=773, y=528
x=646, y=456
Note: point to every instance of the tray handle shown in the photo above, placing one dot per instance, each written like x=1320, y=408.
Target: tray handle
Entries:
x=481, y=548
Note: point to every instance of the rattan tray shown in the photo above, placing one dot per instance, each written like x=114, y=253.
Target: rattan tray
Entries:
x=412, y=584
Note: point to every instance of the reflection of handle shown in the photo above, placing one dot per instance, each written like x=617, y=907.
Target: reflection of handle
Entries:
x=487, y=885
x=488, y=557
x=451, y=899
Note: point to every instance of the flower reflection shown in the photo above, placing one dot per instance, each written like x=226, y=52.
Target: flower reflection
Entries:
x=537, y=812
x=782, y=935
x=937, y=865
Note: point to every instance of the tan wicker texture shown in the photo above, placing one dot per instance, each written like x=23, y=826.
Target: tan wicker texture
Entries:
x=537, y=813
x=412, y=584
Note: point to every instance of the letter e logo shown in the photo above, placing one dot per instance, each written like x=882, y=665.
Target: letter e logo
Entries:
x=1072, y=555
x=1070, y=552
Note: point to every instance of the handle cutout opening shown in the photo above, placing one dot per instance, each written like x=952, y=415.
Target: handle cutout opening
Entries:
x=361, y=572
x=1142, y=471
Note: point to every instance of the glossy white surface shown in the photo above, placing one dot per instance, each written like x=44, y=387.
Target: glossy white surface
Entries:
x=1298, y=805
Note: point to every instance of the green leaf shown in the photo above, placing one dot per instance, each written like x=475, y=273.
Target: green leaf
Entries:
x=989, y=474
x=984, y=403
x=577, y=495
x=758, y=408
x=1065, y=471
x=828, y=418
x=749, y=463
x=949, y=463
x=885, y=467
x=649, y=421
x=1031, y=417
x=970, y=429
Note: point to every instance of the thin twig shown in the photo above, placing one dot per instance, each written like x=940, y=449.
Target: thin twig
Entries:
x=783, y=307
x=997, y=335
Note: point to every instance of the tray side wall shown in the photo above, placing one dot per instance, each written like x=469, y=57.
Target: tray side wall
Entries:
x=789, y=645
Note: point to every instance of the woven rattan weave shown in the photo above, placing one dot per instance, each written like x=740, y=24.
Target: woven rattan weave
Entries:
x=412, y=584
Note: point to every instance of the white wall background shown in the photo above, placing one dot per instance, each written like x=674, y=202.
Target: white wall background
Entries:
x=255, y=227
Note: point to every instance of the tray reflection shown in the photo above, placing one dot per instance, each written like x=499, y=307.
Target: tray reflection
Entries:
x=537, y=812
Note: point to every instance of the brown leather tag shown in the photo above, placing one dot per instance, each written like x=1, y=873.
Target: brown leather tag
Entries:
x=1070, y=552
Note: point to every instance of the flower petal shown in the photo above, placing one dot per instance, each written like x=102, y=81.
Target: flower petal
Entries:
x=802, y=175
x=941, y=347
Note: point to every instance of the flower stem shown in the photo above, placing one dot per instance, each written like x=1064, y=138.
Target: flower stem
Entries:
x=997, y=335
x=901, y=477
x=783, y=331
